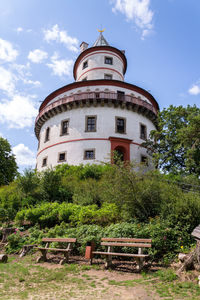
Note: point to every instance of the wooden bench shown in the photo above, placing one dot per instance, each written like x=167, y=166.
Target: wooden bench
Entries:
x=124, y=242
x=65, y=251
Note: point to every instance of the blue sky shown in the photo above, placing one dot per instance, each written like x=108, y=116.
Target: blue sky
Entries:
x=39, y=42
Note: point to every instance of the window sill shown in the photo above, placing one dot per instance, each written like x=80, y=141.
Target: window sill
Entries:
x=120, y=132
x=64, y=134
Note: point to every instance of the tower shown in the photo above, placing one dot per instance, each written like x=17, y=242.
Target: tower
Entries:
x=85, y=121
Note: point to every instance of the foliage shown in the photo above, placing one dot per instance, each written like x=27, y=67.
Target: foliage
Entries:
x=15, y=242
x=167, y=239
x=50, y=214
x=10, y=202
x=177, y=147
x=8, y=166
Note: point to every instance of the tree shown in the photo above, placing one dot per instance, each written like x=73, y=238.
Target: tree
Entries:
x=8, y=166
x=175, y=144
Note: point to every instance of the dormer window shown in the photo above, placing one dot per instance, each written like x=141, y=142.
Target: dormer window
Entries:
x=108, y=60
x=108, y=76
x=85, y=64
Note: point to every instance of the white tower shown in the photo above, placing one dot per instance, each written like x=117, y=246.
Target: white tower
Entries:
x=85, y=121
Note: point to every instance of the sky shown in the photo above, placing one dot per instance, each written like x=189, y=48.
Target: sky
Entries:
x=39, y=43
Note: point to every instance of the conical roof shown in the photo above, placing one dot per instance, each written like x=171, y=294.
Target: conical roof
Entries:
x=101, y=41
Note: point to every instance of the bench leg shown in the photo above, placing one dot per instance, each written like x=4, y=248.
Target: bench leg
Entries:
x=108, y=263
x=139, y=264
x=140, y=260
x=109, y=258
x=43, y=257
x=65, y=259
x=91, y=260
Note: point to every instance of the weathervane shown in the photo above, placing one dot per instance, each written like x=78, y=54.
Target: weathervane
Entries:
x=101, y=30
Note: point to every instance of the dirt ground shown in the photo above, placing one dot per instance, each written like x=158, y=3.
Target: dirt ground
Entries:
x=23, y=278
x=101, y=287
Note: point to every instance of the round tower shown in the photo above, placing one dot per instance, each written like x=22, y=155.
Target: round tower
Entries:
x=85, y=121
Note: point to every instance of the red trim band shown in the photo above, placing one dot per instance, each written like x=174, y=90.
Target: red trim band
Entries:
x=101, y=68
x=87, y=139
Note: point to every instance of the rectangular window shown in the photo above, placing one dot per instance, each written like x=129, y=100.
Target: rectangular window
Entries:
x=108, y=76
x=108, y=60
x=85, y=64
x=90, y=123
x=143, y=132
x=47, y=133
x=120, y=125
x=64, y=127
x=89, y=154
x=44, y=162
x=84, y=79
x=144, y=160
x=62, y=157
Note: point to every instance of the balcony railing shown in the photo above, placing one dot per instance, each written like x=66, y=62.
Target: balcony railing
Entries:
x=95, y=96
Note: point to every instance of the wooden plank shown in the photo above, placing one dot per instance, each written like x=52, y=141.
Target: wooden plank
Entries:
x=141, y=245
x=120, y=254
x=52, y=249
x=126, y=240
x=61, y=240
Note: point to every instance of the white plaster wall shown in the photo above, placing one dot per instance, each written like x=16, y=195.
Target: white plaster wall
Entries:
x=93, y=88
x=105, y=129
x=97, y=60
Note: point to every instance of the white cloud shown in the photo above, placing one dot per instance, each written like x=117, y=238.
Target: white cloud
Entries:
x=7, y=52
x=24, y=156
x=32, y=82
x=18, y=112
x=195, y=89
x=61, y=36
x=19, y=29
x=7, y=81
x=60, y=67
x=37, y=56
x=137, y=11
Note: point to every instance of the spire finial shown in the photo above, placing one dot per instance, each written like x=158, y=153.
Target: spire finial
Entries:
x=101, y=30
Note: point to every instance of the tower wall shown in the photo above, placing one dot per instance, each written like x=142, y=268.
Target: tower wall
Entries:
x=99, y=65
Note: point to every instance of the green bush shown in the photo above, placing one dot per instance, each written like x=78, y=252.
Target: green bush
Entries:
x=50, y=214
x=15, y=242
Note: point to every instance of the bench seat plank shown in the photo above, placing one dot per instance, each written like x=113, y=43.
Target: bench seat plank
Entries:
x=61, y=240
x=131, y=240
x=120, y=254
x=53, y=249
x=138, y=245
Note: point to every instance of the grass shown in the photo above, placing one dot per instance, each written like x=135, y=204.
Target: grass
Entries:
x=24, y=279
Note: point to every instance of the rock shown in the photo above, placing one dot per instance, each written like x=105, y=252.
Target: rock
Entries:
x=3, y=258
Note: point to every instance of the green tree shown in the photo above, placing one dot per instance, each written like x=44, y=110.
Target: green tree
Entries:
x=176, y=142
x=8, y=166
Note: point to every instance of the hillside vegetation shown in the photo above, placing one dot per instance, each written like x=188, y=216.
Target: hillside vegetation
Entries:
x=88, y=202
